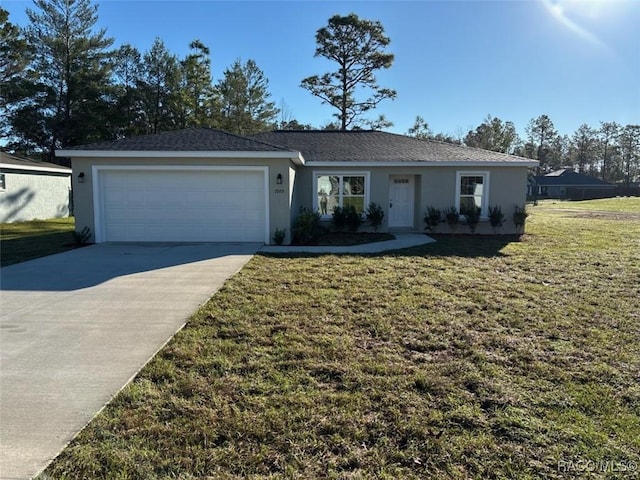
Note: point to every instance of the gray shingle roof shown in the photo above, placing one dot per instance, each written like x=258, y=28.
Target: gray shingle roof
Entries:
x=314, y=145
x=568, y=178
x=375, y=146
x=188, y=140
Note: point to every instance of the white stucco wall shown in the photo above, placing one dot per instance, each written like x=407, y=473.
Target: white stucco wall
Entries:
x=34, y=196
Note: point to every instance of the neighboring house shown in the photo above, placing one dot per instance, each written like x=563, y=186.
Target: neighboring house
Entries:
x=567, y=184
x=208, y=185
x=32, y=190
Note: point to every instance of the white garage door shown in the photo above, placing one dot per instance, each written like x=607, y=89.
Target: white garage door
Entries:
x=182, y=205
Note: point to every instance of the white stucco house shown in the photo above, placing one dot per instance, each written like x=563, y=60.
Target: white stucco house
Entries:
x=32, y=190
x=204, y=184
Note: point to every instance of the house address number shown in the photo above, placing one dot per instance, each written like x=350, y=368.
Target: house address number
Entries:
x=279, y=190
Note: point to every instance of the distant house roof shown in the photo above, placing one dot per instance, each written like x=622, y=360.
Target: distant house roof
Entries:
x=374, y=147
x=568, y=178
x=14, y=162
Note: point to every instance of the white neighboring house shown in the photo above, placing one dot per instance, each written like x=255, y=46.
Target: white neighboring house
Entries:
x=31, y=190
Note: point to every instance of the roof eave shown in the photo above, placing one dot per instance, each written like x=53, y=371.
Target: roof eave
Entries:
x=294, y=156
x=13, y=166
x=416, y=163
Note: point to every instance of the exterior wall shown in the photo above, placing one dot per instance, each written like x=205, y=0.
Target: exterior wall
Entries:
x=34, y=195
x=294, y=193
x=280, y=197
x=434, y=186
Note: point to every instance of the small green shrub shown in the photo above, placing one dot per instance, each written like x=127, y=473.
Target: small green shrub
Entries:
x=82, y=237
x=520, y=217
x=306, y=227
x=432, y=218
x=472, y=217
x=375, y=215
x=452, y=217
x=339, y=218
x=278, y=236
x=496, y=217
x=353, y=218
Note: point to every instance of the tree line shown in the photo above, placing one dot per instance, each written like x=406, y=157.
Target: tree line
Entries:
x=609, y=151
x=63, y=85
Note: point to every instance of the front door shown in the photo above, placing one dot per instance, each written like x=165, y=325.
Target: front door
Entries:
x=401, y=199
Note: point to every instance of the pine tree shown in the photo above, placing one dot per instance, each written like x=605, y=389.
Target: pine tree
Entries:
x=64, y=102
x=244, y=97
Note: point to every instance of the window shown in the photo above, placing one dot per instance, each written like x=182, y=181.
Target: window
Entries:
x=3, y=182
x=472, y=192
x=343, y=190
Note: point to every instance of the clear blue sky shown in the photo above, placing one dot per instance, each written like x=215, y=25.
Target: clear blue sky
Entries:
x=577, y=61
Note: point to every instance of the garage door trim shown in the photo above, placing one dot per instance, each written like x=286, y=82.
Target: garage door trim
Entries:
x=98, y=200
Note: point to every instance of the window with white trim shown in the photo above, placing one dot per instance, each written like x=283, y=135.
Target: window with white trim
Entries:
x=340, y=189
x=472, y=191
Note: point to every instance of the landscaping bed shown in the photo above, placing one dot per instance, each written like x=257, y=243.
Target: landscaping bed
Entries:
x=345, y=239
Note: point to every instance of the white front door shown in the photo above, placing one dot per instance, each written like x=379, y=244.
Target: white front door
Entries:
x=401, y=199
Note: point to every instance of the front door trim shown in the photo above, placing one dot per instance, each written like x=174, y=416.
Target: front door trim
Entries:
x=402, y=199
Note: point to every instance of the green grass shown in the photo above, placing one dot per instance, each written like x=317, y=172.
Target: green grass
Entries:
x=38, y=238
x=618, y=204
x=475, y=357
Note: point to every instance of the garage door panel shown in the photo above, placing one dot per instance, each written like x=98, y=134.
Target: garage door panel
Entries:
x=169, y=205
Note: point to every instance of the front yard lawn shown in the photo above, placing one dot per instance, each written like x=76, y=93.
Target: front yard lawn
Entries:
x=38, y=238
x=617, y=204
x=469, y=358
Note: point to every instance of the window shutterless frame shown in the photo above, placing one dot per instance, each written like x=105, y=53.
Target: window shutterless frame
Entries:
x=343, y=189
x=472, y=189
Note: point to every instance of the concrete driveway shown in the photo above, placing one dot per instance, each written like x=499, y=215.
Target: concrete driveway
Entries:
x=76, y=327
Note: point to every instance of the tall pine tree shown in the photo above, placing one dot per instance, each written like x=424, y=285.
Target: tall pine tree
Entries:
x=64, y=102
x=160, y=89
x=244, y=96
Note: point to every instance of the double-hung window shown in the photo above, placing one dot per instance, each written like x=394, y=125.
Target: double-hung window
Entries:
x=340, y=190
x=472, y=191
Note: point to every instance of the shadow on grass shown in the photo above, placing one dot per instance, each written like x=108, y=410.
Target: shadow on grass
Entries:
x=21, y=249
x=469, y=246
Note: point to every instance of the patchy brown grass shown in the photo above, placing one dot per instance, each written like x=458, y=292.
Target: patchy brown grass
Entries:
x=476, y=357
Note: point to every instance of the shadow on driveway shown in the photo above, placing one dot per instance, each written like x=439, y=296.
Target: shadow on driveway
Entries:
x=96, y=264
x=77, y=326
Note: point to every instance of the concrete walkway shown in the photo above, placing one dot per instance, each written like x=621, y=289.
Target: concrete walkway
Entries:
x=402, y=240
x=76, y=327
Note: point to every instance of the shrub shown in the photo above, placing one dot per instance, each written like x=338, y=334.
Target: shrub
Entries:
x=472, y=217
x=339, y=218
x=520, y=216
x=452, y=217
x=496, y=217
x=278, y=236
x=353, y=218
x=306, y=227
x=375, y=215
x=432, y=218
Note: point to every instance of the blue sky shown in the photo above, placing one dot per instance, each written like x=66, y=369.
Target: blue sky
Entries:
x=577, y=61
